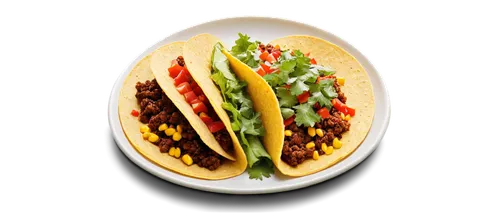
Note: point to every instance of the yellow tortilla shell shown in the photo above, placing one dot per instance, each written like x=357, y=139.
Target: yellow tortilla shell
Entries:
x=130, y=124
x=198, y=57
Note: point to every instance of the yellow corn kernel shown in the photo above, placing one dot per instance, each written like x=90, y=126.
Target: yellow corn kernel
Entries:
x=170, y=131
x=187, y=159
x=146, y=135
x=315, y=155
x=171, y=151
x=329, y=150
x=311, y=131
x=342, y=115
x=177, y=136
x=319, y=132
x=153, y=138
x=310, y=145
x=324, y=147
x=288, y=133
x=145, y=128
x=179, y=129
x=336, y=143
x=162, y=127
x=348, y=117
x=341, y=80
x=177, y=152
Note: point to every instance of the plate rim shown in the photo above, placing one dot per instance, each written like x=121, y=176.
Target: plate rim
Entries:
x=117, y=130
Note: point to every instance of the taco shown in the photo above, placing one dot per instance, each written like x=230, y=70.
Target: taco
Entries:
x=169, y=121
x=230, y=100
x=316, y=100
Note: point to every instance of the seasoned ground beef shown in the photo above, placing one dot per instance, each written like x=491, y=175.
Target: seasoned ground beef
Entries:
x=157, y=108
x=294, y=147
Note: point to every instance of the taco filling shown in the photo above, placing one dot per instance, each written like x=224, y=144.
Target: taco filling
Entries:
x=311, y=101
x=193, y=94
x=166, y=127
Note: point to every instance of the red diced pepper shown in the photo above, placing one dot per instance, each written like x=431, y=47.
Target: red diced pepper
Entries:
x=323, y=112
x=302, y=98
x=289, y=121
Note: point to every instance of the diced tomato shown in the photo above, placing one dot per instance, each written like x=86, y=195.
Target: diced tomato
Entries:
x=351, y=111
x=183, y=88
x=216, y=126
x=324, y=78
x=289, y=120
x=287, y=86
x=323, y=112
x=205, y=118
x=261, y=72
x=182, y=77
x=190, y=96
x=134, y=113
x=341, y=107
x=198, y=91
x=194, y=101
x=199, y=107
x=204, y=99
x=276, y=54
x=263, y=55
x=194, y=84
x=316, y=106
x=266, y=68
x=313, y=61
x=302, y=98
x=270, y=58
x=175, y=70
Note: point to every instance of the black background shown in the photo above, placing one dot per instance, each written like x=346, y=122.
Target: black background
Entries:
x=376, y=29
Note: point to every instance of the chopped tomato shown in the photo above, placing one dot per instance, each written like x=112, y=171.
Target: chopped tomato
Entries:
x=289, y=120
x=302, y=98
x=287, y=86
x=323, y=112
x=190, y=96
x=266, y=68
x=175, y=70
x=134, y=113
x=194, y=101
x=313, y=61
x=183, y=88
x=351, y=111
x=205, y=118
x=216, y=126
x=182, y=77
x=203, y=99
x=341, y=107
x=276, y=54
x=194, y=84
x=261, y=72
x=316, y=106
x=263, y=55
x=198, y=91
x=199, y=107
x=270, y=58
x=324, y=78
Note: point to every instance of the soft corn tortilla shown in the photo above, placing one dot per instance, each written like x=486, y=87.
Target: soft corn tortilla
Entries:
x=358, y=90
x=198, y=56
x=130, y=124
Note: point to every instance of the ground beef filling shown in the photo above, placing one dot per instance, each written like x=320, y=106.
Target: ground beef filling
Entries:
x=157, y=108
x=294, y=147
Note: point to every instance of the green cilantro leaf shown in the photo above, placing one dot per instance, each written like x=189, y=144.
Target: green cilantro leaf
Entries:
x=285, y=98
x=287, y=113
x=242, y=44
x=321, y=99
x=305, y=115
x=298, y=87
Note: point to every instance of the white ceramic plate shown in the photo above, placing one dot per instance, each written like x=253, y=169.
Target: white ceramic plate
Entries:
x=265, y=30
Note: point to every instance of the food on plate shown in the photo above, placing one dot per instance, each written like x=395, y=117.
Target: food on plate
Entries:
x=228, y=95
x=316, y=100
x=168, y=120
